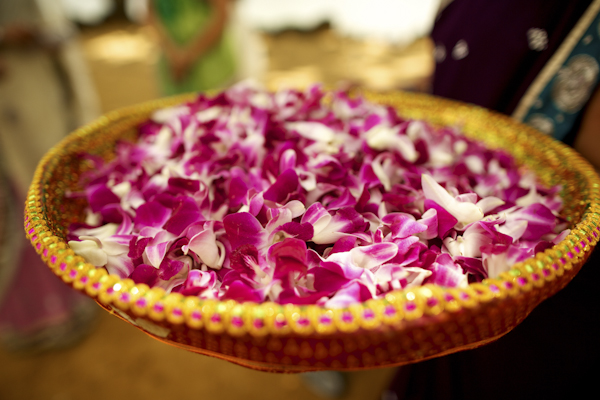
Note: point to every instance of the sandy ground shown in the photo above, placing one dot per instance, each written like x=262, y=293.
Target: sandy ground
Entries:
x=118, y=361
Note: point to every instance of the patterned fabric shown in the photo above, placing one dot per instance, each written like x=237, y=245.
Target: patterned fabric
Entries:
x=502, y=47
x=559, y=94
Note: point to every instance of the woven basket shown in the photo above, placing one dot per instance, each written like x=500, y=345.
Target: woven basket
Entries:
x=404, y=327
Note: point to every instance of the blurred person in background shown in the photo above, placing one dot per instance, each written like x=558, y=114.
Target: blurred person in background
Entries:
x=197, y=49
x=45, y=92
x=537, y=60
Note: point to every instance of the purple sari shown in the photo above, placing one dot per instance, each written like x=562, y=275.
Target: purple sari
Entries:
x=491, y=53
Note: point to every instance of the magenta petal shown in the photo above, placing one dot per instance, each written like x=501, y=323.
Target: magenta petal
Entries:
x=242, y=228
x=500, y=257
x=241, y=292
x=314, y=213
x=356, y=222
x=244, y=259
x=330, y=279
x=403, y=225
x=186, y=213
x=474, y=238
x=445, y=272
x=256, y=204
x=137, y=247
x=405, y=244
x=371, y=121
x=363, y=204
x=414, y=255
x=126, y=225
x=429, y=218
x=540, y=221
x=299, y=231
x=183, y=186
x=346, y=199
x=344, y=244
x=167, y=200
x=158, y=247
x=488, y=229
x=157, y=252
x=112, y=213
x=329, y=229
x=151, y=214
x=445, y=220
x=120, y=265
x=287, y=160
x=169, y=268
x=367, y=176
x=237, y=191
x=198, y=281
x=286, y=184
x=347, y=271
x=195, y=229
x=228, y=276
x=354, y=292
x=144, y=273
x=99, y=196
x=288, y=256
x=369, y=257
x=472, y=266
x=542, y=246
x=190, y=291
x=398, y=200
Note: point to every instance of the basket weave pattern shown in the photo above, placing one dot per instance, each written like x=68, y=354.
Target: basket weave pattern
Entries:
x=406, y=326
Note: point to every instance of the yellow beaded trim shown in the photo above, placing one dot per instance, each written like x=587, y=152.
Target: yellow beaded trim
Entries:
x=553, y=162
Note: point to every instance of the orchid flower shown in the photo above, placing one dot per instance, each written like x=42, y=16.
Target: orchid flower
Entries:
x=102, y=247
x=307, y=198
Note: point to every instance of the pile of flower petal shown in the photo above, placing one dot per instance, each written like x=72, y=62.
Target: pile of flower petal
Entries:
x=307, y=198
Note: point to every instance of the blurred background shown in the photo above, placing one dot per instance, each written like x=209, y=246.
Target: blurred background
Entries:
x=65, y=62
x=278, y=43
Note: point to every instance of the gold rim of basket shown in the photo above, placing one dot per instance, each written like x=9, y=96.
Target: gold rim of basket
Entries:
x=394, y=308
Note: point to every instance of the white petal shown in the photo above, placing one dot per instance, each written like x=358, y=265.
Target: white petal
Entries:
x=381, y=137
x=381, y=174
x=465, y=213
x=167, y=114
x=487, y=204
x=455, y=247
x=416, y=276
x=321, y=223
x=529, y=199
x=383, y=253
x=209, y=114
x=475, y=164
x=407, y=148
x=113, y=248
x=101, y=232
x=330, y=233
x=312, y=130
x=296, y=207
x=204, y=244
x=514, y=229
x=89, y=250
x=415, y=129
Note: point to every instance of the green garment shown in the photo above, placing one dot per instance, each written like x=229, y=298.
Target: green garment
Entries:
x=184, y=20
